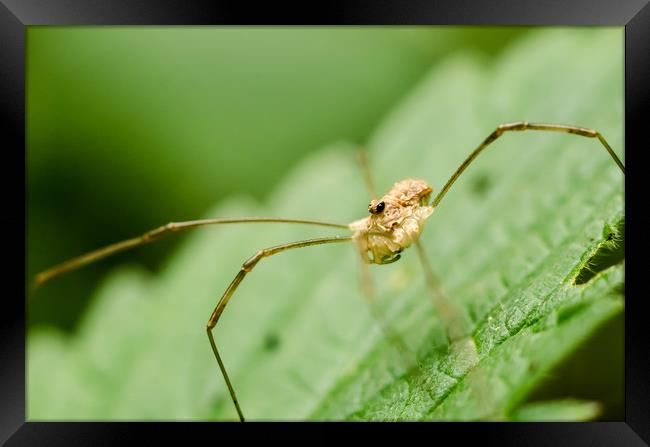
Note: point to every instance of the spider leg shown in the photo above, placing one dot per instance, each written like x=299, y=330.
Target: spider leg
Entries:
x=362, y=158
x=246, y=268
x=521, y=126
x=444, y=306
x=153, y=235
x=459, y=335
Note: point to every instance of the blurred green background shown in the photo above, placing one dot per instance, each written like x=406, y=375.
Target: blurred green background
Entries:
x=130, y=128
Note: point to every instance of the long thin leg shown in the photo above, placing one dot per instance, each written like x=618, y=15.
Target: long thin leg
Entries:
x=377, y=313
x=154, y=235
x=362, y=157
x=246, y=268
x=520, y=126
x=461, y=342
x=444, y=306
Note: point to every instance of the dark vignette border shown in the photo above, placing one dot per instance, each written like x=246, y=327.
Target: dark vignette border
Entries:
x=15, y=15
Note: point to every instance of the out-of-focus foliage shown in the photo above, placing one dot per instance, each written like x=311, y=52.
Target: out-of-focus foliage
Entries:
x=130, y=128
x=299, y=342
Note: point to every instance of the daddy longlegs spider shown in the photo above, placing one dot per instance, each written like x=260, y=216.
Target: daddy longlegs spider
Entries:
x=395, y=223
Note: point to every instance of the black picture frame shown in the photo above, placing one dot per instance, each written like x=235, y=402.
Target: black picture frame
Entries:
x=16, y=15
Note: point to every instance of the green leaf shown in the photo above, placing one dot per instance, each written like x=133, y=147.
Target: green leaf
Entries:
x=560, y=410
x=508, y=242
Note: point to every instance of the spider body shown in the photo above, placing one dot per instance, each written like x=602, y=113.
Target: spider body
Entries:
x=395, y=222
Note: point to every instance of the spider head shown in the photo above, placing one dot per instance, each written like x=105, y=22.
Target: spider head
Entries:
x=399, y=202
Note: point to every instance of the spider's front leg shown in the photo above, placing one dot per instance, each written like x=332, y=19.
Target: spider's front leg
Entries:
x=246, y=268
x=520, y=126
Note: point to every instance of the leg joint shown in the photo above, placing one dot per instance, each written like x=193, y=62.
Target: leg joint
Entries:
x=253, y=260
x=518, y=125
x=585, y=132
x=154, y=234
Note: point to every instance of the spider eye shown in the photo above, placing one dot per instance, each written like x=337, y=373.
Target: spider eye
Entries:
x=376, y=209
